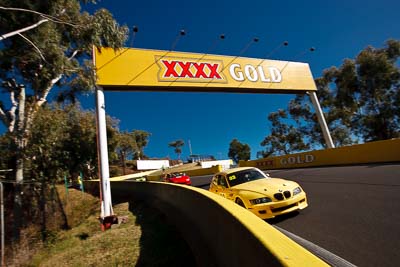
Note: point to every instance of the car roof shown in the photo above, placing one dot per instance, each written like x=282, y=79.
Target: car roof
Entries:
x=228, y=171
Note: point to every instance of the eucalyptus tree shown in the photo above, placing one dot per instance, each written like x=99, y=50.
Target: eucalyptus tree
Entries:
x=177, y=145
x=126, y=147
x=141, y=139
x=238, y=151
x=53, y=57
x=56, y=55
x=360, y=100
x=78, y=148
x=284, y=138
x=6, y=154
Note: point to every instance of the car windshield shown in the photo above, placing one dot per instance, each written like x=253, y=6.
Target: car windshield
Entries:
x=245, y=176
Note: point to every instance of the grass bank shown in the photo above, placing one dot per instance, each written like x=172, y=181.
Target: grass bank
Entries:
x=71, y=236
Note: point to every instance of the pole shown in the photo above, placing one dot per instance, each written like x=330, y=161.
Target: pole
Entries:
x=190, y=148
x=2, y=223
x=321, y=119
x=81, y=184
x=66, y=185
x=106, y=206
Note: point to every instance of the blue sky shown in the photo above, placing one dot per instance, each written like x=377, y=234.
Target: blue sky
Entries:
x=337, y=29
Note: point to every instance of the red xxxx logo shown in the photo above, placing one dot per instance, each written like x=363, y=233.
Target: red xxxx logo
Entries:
x=184, y=71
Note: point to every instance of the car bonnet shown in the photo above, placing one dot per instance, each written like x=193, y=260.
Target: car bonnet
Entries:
x=267, y=185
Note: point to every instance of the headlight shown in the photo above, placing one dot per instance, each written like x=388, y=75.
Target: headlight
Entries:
x=296, y=191
x=260, y=200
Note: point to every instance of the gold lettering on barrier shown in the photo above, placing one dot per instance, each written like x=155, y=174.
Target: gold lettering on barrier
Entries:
x=299, y=159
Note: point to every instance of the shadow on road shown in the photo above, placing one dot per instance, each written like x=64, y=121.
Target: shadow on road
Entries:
x=282, y=218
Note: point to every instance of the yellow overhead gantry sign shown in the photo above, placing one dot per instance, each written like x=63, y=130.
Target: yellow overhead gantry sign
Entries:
x=140, y=69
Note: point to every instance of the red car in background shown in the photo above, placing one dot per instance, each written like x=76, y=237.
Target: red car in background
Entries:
x=177, y=178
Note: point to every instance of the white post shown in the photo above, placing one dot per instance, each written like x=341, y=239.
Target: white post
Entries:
x=2, y=225
x=190, y=148
x=106, y=204
x=321, y=119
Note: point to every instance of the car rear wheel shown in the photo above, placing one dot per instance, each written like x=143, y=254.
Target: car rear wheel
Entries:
x=240, y=202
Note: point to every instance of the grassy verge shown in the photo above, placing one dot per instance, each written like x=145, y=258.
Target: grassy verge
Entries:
x=144, y=239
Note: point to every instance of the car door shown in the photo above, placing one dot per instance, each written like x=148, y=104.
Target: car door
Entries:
x=220, y=185
x=228, y=191
x=214, y=186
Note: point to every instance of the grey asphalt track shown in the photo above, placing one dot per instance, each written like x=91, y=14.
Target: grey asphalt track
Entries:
x=354, y=211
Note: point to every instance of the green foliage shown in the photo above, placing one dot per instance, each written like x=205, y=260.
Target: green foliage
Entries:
x=63, y=142
x=45, y=155
x=52, y=56
x=360, y=100
x=177, y=146
x=127, y=146
x=130, y=145
x=60, y=46
x=238, y=151
x=141, y=138
x=55, y=53
x=7, y=153
x=284, y=138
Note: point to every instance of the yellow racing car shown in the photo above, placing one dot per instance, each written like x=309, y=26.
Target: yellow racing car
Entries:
x=252, y=189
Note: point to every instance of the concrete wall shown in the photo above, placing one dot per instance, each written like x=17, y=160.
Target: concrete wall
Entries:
x=219, y=232
x=195, y=172
x=225, y=164
x=205, y=171
x=372, y=152
x=152, y=164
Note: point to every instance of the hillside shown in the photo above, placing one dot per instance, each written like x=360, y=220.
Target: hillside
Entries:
x=73, y=236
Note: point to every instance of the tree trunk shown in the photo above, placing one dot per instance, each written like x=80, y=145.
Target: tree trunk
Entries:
x=19, y=168
x=20, y=142
x=123, y=163
x=19, y=177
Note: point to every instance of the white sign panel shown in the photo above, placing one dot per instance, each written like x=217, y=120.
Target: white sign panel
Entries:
x=152, y=164
x=224, y=163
